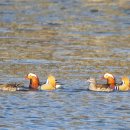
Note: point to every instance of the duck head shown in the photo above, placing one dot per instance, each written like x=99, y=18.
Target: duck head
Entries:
x=125, y=84
x=92, y=80
x=110, y=79
x=51, y=81
x=125, y=81
x=92, y=85
x=34, y=80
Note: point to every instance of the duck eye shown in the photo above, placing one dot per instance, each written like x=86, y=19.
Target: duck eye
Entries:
x=120, y=83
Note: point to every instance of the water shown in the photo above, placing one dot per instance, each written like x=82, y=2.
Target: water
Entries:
x=72, y=40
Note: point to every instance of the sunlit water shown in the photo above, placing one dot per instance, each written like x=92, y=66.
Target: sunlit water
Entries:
x=73, y=40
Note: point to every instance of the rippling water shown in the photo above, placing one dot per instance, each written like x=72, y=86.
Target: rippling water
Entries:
x=73, y=40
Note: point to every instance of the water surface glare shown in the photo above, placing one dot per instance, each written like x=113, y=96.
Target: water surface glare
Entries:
x=73, y=40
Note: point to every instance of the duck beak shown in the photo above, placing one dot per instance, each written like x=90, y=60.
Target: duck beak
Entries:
x=102, y=78
x=26, y=77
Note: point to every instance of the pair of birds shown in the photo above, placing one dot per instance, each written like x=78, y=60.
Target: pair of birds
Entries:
x=51, y=84
x=111, y=84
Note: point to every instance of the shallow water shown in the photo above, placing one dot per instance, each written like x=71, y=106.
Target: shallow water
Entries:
x=72, y=40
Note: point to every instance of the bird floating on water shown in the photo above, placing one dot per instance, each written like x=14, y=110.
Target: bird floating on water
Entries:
x=35, y=84
x=111, y=84
x=98, y=87
x=11, y=87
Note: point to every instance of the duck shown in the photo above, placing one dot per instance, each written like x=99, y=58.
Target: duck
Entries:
x=34, y=81
x=11, y=87
x=98, y=87
x=35, y=84
x=111, y=81
x=107, y=87
x=50, y=84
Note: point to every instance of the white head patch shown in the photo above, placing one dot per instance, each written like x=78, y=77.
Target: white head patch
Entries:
x=31, y=74
x=108, y=75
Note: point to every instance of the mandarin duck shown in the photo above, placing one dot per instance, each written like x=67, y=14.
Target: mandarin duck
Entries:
x=36, y=85
x=11, y=87
x=111, y=81
x=98, y=87
x=50, y=84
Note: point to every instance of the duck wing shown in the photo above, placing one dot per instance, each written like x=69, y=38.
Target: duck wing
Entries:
x=102, y=85
x=103, y=88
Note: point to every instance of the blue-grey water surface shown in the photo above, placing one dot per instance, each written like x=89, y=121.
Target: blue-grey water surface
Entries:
x=73, y=40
